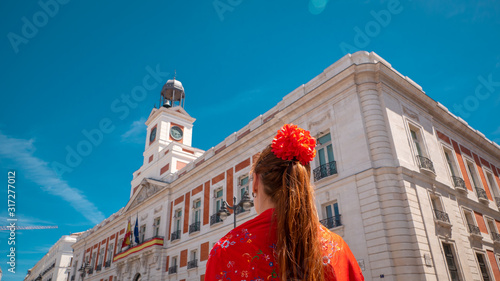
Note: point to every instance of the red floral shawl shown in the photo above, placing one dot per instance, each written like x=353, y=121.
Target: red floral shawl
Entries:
x=246, y=253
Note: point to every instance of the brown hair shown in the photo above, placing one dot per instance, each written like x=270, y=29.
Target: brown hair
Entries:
x=287, y=183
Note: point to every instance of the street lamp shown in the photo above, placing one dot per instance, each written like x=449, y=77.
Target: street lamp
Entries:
x=246, y=203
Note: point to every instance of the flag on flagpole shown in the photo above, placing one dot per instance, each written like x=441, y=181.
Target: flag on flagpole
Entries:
x=126, y=239
x=136, y=230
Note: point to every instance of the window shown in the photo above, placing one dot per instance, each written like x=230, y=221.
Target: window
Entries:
x=218, y=199
x=493, y=186
x=483, y=267
x=196, y=211
x=451, y=261
x=325, y=158
x=332, y=215
x=472, y=173
x=481, y=193
x=101, y=257
x=92, y=263
x=193, y=262
x=471, y=223
x=492, y=229
x=417, y=143
x=173, y=267
x=325, y=150
x=156, y=225
x=119, y=246
x=243, y=185
x=110, y=251
x=450, y=161
x=142, y=233
x=178, y=215
x=177, y=225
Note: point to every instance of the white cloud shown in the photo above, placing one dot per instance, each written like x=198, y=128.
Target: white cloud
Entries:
x=136, y=133
x=21, y=152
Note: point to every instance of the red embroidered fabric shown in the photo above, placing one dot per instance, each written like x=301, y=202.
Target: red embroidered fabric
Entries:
x=246, y=253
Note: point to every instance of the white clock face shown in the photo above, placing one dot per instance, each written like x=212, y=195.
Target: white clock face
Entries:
x=176, y=133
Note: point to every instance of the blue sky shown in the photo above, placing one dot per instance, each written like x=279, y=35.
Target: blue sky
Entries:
x=66, y=66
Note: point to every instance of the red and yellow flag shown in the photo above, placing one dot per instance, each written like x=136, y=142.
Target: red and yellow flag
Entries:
x=126, y=239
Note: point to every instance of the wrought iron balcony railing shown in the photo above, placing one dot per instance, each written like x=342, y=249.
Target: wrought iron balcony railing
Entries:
x=194, y=227
x=474, y=229
x=107, y=263
x=175, y=235
x=331, y=222
x=91, y=270
x=497, y=200
x=425, y=163
x=192, y=264
x=495, y=237
x=481, y=193
x=442, y=216
x=98, y=268
x=458, y=182
x=325, y=170
x=215, y=218
x=73, y=278
x=172, y=269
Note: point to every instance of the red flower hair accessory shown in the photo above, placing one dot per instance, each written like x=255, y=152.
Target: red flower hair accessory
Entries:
x=294, y=143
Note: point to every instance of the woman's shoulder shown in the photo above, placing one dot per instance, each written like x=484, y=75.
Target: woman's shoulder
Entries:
x=336, y=252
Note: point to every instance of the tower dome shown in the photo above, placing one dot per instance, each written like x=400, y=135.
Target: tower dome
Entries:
x=172, y=94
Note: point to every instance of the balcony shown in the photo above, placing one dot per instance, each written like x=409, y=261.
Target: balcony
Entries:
x=442, y=218
x=331, y=222
x=175, y=235
x=426, y=164
x=155, y=241
x=99, y=267
x=497, y=200
x=172, y=269
x=481, y=195
x=107, y=264
x=495, y=237
x=325, y=170
x=91, y=270
x=73, y=278
x=194, y=227
x=215, y=218
x=459, y=183
x=192, y=264
x=475, y=231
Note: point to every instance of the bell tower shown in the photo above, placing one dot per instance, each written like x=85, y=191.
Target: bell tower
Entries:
x=169, y=135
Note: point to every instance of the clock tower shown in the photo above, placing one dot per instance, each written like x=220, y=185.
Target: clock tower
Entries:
x=169, y=134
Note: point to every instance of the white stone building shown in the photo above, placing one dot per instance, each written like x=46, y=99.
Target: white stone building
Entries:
x=55, y=265
x=410, y=187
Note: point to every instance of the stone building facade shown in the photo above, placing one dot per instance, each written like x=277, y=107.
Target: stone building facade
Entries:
x=55, y=265
x=412, y=189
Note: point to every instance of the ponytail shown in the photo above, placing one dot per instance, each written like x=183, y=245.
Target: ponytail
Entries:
x=287, y=183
